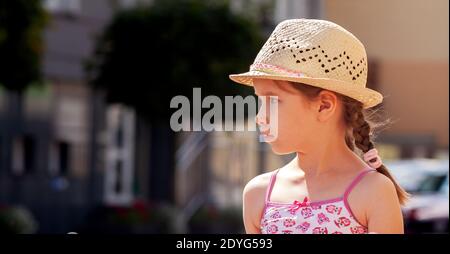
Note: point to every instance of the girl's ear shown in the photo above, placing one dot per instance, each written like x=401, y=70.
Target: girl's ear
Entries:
x=326, y=105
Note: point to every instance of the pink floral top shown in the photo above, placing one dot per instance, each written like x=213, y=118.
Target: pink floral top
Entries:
x=332, y=216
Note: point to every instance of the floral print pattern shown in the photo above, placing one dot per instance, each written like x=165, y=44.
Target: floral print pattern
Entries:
x=328, y=218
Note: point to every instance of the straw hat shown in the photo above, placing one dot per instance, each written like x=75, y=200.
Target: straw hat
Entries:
x=314, y=52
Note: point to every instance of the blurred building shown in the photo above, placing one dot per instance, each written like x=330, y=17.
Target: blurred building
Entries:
x=53, y=157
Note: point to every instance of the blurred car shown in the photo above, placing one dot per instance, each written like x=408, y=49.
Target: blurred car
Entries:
x=427, y=180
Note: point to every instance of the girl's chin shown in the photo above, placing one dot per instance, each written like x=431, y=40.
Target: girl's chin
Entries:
x=277, y=147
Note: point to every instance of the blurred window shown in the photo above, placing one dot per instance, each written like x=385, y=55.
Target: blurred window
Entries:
x=23, y=155
x=118, y=181
x=432, y=183
x=60, y=158
x=119, y=173
x=64, y=158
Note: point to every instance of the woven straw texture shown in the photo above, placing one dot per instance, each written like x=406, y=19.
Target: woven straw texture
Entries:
x=314, y=52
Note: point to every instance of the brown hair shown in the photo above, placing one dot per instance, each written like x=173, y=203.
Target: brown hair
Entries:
x=361, y=125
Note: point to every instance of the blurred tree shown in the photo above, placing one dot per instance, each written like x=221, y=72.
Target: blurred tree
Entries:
x=21, y=27
x=149, y=54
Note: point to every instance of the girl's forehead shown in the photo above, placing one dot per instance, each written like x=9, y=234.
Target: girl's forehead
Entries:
x=271, y=87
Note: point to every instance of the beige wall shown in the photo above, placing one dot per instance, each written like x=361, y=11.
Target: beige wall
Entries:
x=396, y=29
x=416, y=97
x=409, y=40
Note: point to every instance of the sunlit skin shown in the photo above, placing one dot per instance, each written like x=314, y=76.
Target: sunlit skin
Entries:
x=324, y=164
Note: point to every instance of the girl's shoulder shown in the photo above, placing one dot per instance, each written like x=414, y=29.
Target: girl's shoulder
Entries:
x=376, y=195
x=258, y=185
x=254, y=200
x=374, y=186
x=374, y=183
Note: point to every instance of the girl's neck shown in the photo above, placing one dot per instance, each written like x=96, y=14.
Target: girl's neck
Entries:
x=335, y=157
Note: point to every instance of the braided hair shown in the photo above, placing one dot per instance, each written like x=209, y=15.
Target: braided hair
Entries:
x=362, y=137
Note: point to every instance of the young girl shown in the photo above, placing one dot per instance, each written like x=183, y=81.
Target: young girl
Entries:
x=317, y=72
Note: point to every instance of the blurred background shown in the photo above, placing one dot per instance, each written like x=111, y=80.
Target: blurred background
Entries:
x=85, y=86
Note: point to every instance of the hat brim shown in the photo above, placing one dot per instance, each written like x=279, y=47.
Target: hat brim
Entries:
x=365, y=95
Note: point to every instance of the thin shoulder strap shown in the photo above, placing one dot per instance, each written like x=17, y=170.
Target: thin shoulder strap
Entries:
x=271, y=183
x=356, y=181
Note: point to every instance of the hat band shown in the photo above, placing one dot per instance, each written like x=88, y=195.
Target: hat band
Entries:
x=273, y=69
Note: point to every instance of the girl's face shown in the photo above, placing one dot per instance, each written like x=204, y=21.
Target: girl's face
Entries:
x=297, y=124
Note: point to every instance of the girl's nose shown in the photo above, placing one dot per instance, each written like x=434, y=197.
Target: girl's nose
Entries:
x=262, y=118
